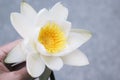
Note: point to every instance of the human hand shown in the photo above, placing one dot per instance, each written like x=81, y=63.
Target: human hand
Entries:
x=5, y=73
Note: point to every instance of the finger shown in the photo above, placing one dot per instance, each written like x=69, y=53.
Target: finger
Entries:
x=23, y=74
x=3, y=68
x=2, y=55
x=4, y=50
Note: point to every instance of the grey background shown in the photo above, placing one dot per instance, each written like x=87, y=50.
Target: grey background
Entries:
x=101, y=17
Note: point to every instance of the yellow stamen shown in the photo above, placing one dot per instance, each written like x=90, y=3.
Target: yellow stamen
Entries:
x=52, y=37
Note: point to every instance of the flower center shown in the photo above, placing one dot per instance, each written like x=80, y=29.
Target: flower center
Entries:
x=52, y=37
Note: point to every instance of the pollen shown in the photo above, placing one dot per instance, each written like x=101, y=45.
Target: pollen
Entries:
x=52, y=37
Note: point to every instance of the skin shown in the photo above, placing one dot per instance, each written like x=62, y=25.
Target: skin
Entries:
x=19, y=72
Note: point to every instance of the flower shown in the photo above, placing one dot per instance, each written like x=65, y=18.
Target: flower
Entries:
x=48, y=39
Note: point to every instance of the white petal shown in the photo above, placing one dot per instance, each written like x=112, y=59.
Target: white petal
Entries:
x=42, y=17
x=65, y=26
x=59, y=12
x=28, y=11
x=76, y=58
x=29, y=46
x=35, y=66
x=16, y=55
x=75, y=40
x=41, y=49
x=54, y=63
x=23, y=26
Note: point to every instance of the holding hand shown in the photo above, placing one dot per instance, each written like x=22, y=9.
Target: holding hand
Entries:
x=5, y=73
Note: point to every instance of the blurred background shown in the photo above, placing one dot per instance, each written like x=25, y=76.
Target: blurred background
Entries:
x=101, y=17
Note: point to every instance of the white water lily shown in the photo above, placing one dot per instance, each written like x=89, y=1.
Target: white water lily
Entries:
x=48, y=39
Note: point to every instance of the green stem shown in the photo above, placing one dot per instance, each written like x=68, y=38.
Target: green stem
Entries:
x=46, y=74
x=52, y=77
